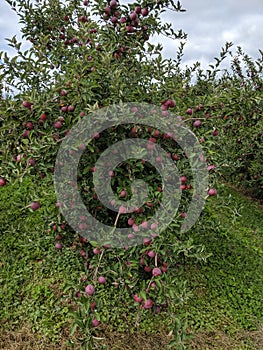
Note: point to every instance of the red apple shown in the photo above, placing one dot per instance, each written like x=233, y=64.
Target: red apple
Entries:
x=144, y=12
x=89, y=289
x=35, y=205
x=2, y=181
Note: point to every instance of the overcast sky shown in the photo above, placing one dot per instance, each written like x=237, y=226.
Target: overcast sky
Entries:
x=209, y=24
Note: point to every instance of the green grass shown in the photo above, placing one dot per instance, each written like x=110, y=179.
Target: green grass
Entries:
x=227, y=291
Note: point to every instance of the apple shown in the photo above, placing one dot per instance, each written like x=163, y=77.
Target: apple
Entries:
x=151, y=254
x=138, y=9
x=26, y=104
x=212, y=192
x=215, y=133
x=130, y=29
x=102, y=280
x=114, y=20
x=29, y=126
x=58, y=246
x=93, y=305
x=148, y=304
x=58, y=125
x=95, y=322
x=2, y=181
x=35, y=205
x=31, y=162
x=131, y=221
x=183, y=179
x=133, y=16
x=147, y=268
x=144, y=12
x=156, y=272
x=89, y=289
x=42, y=118
x=122, y=210
x=144, y=225
x=154, y=226
x=96, y=251
x=26, y=133
x=189, y=111
x=197, y=123
x=147, y=241
x=71, y=108
x=123, y=194
x=123, y=20
x=113, y=4
x=137, y=298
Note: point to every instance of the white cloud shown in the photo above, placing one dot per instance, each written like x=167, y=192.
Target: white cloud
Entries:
x=209, y=24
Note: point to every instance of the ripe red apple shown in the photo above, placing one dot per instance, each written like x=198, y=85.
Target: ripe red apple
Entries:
x=138, y=9
x=183, y=179
x=144, y=12
x=96, y=251
x=156, y=272
x=85, y=2
x=189, y=111
x=31, y=162
x=130, y=29
x=133, y=16
x=123, y=194
x=135, y=228
x=93, y=305
x=113, y=4
x=131, y=221
x=29, y=125
x=197, y=123
x=26, y=133
x=58, y=246
x=26, y=104
x=35, y=205
x=137, y=298
x=95, y=322
x=102, y=280
x=123, y=20
x=107, y=10
x=114, y=20
x=151, y=254
x=58, y=125
x=42, y=118
x=89, y=289
x=147, y=268
x=212, y=192
x=144, y=224
x=64, y=109
x=71, y=108
x=147, y=241
x=154, y=226
x=148, y=304
x=122, y=210
x=215, y=133
x=2, y=181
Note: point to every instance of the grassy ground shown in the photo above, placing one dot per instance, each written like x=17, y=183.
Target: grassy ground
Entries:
x=224, y=312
